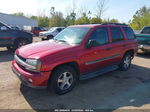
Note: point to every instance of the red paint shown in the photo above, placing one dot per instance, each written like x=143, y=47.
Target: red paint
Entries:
x=52, y=54
x=36, y=30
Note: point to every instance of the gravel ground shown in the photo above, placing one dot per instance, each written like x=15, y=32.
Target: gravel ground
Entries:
x=115, y=90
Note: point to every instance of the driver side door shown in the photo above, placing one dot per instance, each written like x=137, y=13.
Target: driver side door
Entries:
x=97, y=57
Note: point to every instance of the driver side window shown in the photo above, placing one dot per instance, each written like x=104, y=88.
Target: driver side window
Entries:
x=100, y=35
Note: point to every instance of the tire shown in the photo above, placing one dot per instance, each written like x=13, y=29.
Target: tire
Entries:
x=126, y=62
x=50, y=37
x=18, y=43
x=63, y=80
x=43, y=39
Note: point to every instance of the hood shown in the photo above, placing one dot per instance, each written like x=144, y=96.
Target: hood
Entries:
x=39, y=49
x=142, y=35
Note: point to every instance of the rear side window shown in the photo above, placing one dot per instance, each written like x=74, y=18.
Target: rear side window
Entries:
x=116, y=34
x=100, y=35
x=129, y=32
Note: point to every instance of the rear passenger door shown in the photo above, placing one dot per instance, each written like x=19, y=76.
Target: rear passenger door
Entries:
x=117, y=44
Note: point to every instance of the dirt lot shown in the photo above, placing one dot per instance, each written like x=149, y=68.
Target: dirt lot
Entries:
x=113, y=90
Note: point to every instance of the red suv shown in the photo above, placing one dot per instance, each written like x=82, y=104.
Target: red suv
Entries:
x=37, y=30
x=78, y=52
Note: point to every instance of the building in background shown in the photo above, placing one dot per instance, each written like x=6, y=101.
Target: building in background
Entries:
x=19, y=21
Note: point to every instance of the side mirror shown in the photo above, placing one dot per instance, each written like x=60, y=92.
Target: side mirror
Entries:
x=91, y=43
x=3, y=28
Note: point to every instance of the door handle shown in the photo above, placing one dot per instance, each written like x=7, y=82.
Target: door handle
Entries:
x=108, y=49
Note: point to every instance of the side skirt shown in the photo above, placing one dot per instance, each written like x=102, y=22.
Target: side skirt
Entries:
x=98, y=72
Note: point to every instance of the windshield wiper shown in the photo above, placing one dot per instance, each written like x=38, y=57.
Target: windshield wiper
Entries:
x=56, y=40
x=62, y=41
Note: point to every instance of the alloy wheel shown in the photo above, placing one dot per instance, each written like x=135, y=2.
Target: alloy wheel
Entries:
x=65, y=80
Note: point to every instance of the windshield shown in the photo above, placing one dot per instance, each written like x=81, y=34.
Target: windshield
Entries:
x=52, y=29
x=42, y=29
x=72, y=35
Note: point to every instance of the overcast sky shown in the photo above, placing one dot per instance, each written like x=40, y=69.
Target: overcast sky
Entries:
x=122, y=10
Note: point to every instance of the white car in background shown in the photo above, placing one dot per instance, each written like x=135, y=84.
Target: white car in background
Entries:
x=52, y=32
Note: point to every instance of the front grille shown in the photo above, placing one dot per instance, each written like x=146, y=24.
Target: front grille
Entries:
x=21, y=66
x=20, y=60
x=23, y=59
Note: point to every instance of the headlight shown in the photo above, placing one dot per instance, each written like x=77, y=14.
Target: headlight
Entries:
x=33, y=65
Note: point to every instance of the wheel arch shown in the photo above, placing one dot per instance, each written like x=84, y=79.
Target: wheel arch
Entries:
x=21, y=38
x=131, y=51
x=73, y=64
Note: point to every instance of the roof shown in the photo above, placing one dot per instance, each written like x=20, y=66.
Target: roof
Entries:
x=86, y=25
x=94, y=25
x=22, y=17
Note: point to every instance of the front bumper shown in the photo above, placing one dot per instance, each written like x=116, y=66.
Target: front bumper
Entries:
x=144, y=47
x=31, y=79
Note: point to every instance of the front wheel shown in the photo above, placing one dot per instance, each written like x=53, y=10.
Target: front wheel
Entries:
x=18, y=43
x=63, y=79
x=50, y=37
x=126, y=62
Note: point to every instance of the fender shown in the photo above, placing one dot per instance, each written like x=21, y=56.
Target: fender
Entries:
x=60, y=61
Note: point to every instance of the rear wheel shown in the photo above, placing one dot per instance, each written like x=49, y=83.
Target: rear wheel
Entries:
x=63, y=80
x=126, y=62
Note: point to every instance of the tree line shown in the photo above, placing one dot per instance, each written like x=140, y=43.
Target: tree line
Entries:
x=74, y=17
x=140, y=19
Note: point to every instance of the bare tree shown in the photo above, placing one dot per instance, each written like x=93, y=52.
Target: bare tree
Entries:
x=101, y=8
x=71, y=12
x=82, y=10
x=52, y=10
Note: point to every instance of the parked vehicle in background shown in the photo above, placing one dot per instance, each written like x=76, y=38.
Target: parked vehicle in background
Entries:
x=144, y=39
x=13, y=38
x=52, y=32
x=78, y=52
x=37, y=30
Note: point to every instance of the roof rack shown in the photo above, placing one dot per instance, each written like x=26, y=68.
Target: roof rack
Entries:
x=114, y=24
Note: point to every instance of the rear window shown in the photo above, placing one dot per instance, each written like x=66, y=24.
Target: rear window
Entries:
x=116, y=34
x=129, y=32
